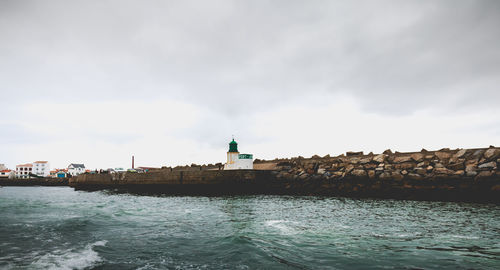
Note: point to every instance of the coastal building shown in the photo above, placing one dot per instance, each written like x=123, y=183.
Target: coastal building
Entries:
x=76, y=169
x=24, y=170
x=6, y=173
x=2, y=167
x=237, y=161
x=41, y=168
x=62, y=174
x=59, y=173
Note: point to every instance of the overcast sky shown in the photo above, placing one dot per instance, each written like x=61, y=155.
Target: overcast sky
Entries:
x=95, y=82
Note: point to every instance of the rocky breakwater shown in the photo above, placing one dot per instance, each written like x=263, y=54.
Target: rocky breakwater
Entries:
x=458, y=175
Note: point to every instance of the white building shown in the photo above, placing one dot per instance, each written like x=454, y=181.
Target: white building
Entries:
x=24, y=170
x=2, y=167
x=41, y=168
x=237, y=161
x=76, y=169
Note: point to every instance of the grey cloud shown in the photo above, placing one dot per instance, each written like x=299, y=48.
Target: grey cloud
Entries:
x=393, y=56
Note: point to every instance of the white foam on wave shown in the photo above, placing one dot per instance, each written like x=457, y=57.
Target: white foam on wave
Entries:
x=464, y=237
x=70, y=259
x=280, y=225
x=397, y=235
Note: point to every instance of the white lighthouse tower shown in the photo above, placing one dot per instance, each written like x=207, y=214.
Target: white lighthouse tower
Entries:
x=237, y=161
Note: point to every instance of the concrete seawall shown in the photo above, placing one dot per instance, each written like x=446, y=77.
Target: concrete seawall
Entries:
x=179, y=182
x=444, y=175
x=34, y=182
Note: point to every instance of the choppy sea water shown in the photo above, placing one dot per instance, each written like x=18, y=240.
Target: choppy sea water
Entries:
x=59, y=228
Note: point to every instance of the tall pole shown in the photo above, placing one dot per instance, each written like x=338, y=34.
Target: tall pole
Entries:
x=132, y=162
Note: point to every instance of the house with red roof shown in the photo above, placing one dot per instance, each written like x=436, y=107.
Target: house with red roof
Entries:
x=6, y=173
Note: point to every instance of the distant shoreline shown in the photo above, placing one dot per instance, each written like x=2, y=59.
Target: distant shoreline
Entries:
x=468, y=175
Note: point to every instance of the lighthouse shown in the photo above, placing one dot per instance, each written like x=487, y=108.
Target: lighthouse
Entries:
x=237, y=161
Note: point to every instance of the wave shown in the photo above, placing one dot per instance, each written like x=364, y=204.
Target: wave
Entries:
x=70, y=259
x=281, y=226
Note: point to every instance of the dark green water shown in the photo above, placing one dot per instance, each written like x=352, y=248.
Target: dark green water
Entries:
x=59, y=228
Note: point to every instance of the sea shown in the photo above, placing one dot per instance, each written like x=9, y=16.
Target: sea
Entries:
x=60, y=228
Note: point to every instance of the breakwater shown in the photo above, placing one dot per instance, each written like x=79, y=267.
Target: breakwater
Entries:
x=457, y=175
x=192, y=182
x=43, y=181
x=444, y=175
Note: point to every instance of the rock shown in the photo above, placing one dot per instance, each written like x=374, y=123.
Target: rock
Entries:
x=456, y=166
x=385, y=176
x=470, y=167
x=444, y=171
x=489, y=165
x=459, y=172
x=471, y=173
x=429, y=168
x=365, y=160
x=471, y=162
x=387, y=152
x=349, y=168
x=303, y=176
x=491, y=153
x=443, y=155
x=321, y=171
x=438, y=165
x=371, y=174
x=484, y=174
x=460, y=153
x=423, y=150
x=397, y=176
x=458, y=156
x=401, y=159
x=379, y=158
x=422, y=164
x=404, y=172
x=379, y=169
x=354, y=160
x=358, y=173
x=421, y=171
x=429, y=157
x=350, y=154
x=415, y=176
x=370, y=166
x=417, y=157
x=337, y=174
x=405, y=166
x=478, y=154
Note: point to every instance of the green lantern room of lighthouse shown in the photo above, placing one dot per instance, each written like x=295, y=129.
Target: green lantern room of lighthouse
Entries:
x=233, y=146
